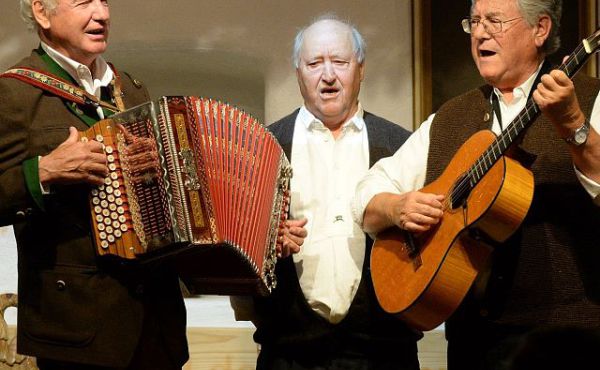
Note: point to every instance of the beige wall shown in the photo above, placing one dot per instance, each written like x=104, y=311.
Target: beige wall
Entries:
x=235, y=50
x=238, y=50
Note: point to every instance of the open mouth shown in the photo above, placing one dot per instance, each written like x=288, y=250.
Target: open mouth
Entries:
x=329, y=91
x=96, y=32
x=486, y=53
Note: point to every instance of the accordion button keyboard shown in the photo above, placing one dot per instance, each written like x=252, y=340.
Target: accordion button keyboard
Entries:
x=115, y=184
x=118, y=233
x=102, y=235
x=107, y=221
x=112, y=167
x=118, y=193
x=107, y=181
x=95, y=201
x=109, y=189
x=116, y=224
x=98, y=209
x=104, y=244
x=114, y=216
x=114, y=176
x=112, y=207
x=109, y=230
x=105, y=212
x=124, y=228
x=118, y=201
x=95, y=192
x=111, y=238
x=99, y=138
x=122, y=219
x=101, y=226
x=110, y=158
x=111, y=198
x=99, y=218
x=108, y=149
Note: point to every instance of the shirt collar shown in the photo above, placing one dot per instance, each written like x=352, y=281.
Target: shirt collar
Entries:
x=76, y=70
x=524, y=89
x=309, y=121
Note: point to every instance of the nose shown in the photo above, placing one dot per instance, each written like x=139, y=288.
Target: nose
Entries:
x=101, y=12
x=328, y=73
x=480, y=31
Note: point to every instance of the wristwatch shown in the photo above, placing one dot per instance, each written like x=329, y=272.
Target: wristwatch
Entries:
x=580, y=135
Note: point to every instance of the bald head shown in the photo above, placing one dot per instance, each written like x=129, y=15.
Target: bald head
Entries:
x=358, y=42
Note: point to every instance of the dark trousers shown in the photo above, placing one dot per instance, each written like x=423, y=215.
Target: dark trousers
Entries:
x=150, y=354
x=486, y=347
x=399, y=358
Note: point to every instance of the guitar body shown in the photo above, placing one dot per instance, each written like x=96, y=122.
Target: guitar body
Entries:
x=424, y=289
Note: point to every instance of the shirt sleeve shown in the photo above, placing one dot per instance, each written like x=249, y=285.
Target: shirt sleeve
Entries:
x=592, y=187
x=403, y=172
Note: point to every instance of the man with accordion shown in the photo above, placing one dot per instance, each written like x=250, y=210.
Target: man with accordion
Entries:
x=75, y=312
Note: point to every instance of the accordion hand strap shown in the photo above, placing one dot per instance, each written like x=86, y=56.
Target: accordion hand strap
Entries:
x=64, y=89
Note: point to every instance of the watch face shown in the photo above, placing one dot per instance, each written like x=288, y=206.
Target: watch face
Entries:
x=580, y=137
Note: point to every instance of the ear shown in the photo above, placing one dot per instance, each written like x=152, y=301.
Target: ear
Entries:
x=40, y=14
x=542, y=30
x=361, y=71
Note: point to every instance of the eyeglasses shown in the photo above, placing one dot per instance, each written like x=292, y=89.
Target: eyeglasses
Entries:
x=491, y=25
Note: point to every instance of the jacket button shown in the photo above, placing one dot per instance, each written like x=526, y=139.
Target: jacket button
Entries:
x=486, y=117
x=61, y=285
x=139, y=290
x=20, y=215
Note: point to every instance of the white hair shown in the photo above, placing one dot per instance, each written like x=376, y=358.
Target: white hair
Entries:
x=358, y=42
x=27, y=13
x=532, y=10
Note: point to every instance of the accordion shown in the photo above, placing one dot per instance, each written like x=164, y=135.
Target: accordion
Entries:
x=198, y=181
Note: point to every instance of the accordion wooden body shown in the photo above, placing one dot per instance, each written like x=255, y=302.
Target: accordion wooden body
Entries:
x=197, y=183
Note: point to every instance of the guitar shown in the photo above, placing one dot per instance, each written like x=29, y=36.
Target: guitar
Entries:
x=422, y=278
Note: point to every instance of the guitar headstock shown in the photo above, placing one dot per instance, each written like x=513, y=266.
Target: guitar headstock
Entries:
x=591, y=43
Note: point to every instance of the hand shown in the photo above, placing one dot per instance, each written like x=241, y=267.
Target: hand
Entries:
x=416, y=211
x=555, y=95
x=292, y=237
x=74, y=161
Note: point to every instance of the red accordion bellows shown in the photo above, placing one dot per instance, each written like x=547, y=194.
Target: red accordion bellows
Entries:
x=196, y=180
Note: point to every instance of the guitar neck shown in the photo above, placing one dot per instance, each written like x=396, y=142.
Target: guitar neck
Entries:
x=524, y=119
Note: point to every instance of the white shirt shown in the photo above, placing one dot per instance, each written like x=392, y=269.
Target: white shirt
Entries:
x=82, y=74
x=326, y=171
x=405, y=171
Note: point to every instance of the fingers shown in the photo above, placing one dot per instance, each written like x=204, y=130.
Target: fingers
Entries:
x=73, y=136
x=74, y=161
x=418, y=212
x=292, y=237
x=555, y=96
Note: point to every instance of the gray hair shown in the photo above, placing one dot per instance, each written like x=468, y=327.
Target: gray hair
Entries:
x=531, y=10
x=27, y=13
x=358, y=42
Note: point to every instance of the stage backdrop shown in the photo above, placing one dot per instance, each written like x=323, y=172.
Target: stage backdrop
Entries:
x=238, y=51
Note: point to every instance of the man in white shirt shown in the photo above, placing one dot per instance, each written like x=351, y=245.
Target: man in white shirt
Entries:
x=546, y=273
x=75, y=311
x=323, y=314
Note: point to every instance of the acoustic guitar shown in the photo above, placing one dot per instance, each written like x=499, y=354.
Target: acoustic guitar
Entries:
x=422, y=278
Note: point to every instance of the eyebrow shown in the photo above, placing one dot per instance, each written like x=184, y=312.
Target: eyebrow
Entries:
x=492, y=14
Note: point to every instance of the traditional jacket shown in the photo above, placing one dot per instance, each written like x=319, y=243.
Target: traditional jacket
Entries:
x=72, y=306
